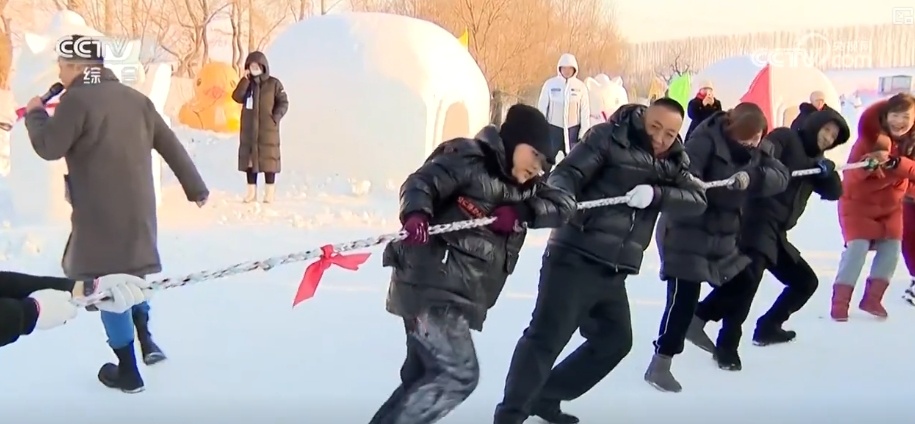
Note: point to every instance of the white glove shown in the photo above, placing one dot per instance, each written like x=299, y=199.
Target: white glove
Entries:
x=739, y=181
x=54, y=308
x=640, y=197
x=124, y=292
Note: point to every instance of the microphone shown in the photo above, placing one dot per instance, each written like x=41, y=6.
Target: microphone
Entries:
x=52, y=92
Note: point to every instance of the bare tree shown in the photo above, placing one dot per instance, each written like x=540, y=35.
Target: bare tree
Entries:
x=188, y=42
x=235, y=21
x=675, y=64
x=516, y=43
x=6, y=46
x=300, y=9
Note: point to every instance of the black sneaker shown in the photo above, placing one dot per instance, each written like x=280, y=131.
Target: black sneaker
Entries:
x=552, y=414
x=124, y=376
x=728, y=361
x=769, y=336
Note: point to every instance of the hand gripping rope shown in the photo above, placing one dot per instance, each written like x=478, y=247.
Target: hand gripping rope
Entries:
x=270, y=263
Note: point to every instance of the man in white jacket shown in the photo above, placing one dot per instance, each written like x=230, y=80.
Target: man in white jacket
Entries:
x=565, y=103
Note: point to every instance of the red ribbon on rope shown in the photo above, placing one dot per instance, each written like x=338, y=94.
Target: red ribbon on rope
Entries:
x=315, y=271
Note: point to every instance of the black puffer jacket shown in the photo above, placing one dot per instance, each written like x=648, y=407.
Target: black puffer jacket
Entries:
x=704, y=248
x=805, y=110
x=465, y=179
x=612, y=159
x=768, y=219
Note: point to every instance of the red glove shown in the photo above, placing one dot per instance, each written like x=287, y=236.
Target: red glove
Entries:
x=508, y=219
x=417, y=227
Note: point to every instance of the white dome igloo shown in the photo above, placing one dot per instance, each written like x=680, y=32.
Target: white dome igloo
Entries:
x=371, y=94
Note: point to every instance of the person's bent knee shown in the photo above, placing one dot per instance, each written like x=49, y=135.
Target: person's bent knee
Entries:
x=809, y=286
x=542, y=340
x=463, y=380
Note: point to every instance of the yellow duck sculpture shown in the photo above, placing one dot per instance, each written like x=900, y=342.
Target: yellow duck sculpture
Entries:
x=212, y=107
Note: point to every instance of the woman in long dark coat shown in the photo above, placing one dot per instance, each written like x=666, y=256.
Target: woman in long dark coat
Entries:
x=264, y=103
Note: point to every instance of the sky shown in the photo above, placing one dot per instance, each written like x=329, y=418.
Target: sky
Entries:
x=641, y=22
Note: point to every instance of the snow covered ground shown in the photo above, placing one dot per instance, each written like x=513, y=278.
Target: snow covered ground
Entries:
x=240, y=353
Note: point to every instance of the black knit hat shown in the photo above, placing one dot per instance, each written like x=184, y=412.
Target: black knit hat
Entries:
x=526, y=125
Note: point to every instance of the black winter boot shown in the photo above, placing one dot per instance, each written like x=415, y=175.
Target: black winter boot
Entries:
x=124, y=376
x=764, y=335
x=550, y=412
x=151, y=352
x=728, y=360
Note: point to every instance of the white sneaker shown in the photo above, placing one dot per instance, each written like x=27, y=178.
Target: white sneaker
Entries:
x=269, y=193
x=251, y=194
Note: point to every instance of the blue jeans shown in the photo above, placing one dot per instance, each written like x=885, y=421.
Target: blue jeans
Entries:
x=119, y=327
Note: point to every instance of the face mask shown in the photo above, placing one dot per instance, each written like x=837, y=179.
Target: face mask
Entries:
x=256, y=72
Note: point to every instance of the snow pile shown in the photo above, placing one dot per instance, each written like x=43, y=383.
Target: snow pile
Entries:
x=372, y=94
x=303, y=200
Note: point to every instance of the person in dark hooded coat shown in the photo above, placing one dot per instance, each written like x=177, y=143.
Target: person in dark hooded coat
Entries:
x=638, y=154
x=764, y=238
x=264, y=103
x=728, y=145
x=442, y=286
x=816, y=104
x=702, y=107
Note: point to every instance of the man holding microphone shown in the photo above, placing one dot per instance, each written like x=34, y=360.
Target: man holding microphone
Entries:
x=106, y=132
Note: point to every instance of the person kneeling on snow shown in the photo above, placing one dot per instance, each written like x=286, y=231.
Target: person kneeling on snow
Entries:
x=764, y=239
x=443, y=286
x=29, y=302
x=870, y=210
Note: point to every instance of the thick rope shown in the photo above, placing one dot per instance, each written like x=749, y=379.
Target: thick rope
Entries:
x=270, y=263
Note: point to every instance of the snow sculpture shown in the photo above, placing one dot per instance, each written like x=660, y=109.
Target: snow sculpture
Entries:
x=788, y=87
x=372, y=94
x=607, y=95
x=36, y=186
x=212, y=107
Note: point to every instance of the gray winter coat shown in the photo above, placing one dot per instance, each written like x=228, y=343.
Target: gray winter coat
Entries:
x=259, y=138
x=106, y=132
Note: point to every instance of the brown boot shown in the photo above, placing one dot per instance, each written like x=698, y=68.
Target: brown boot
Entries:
x=872, y=301
x=841, y=297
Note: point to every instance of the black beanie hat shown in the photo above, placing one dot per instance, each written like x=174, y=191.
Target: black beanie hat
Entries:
x=526, y=125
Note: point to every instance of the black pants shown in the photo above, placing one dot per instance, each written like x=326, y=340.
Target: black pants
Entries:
x=682, y=298
x=574, y=293
x=731, y=302
x=251, y=176
x=559, y=139
x=439, y=373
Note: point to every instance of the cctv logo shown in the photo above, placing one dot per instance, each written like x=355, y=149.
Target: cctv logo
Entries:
x=81, y=48
x=111, y=50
